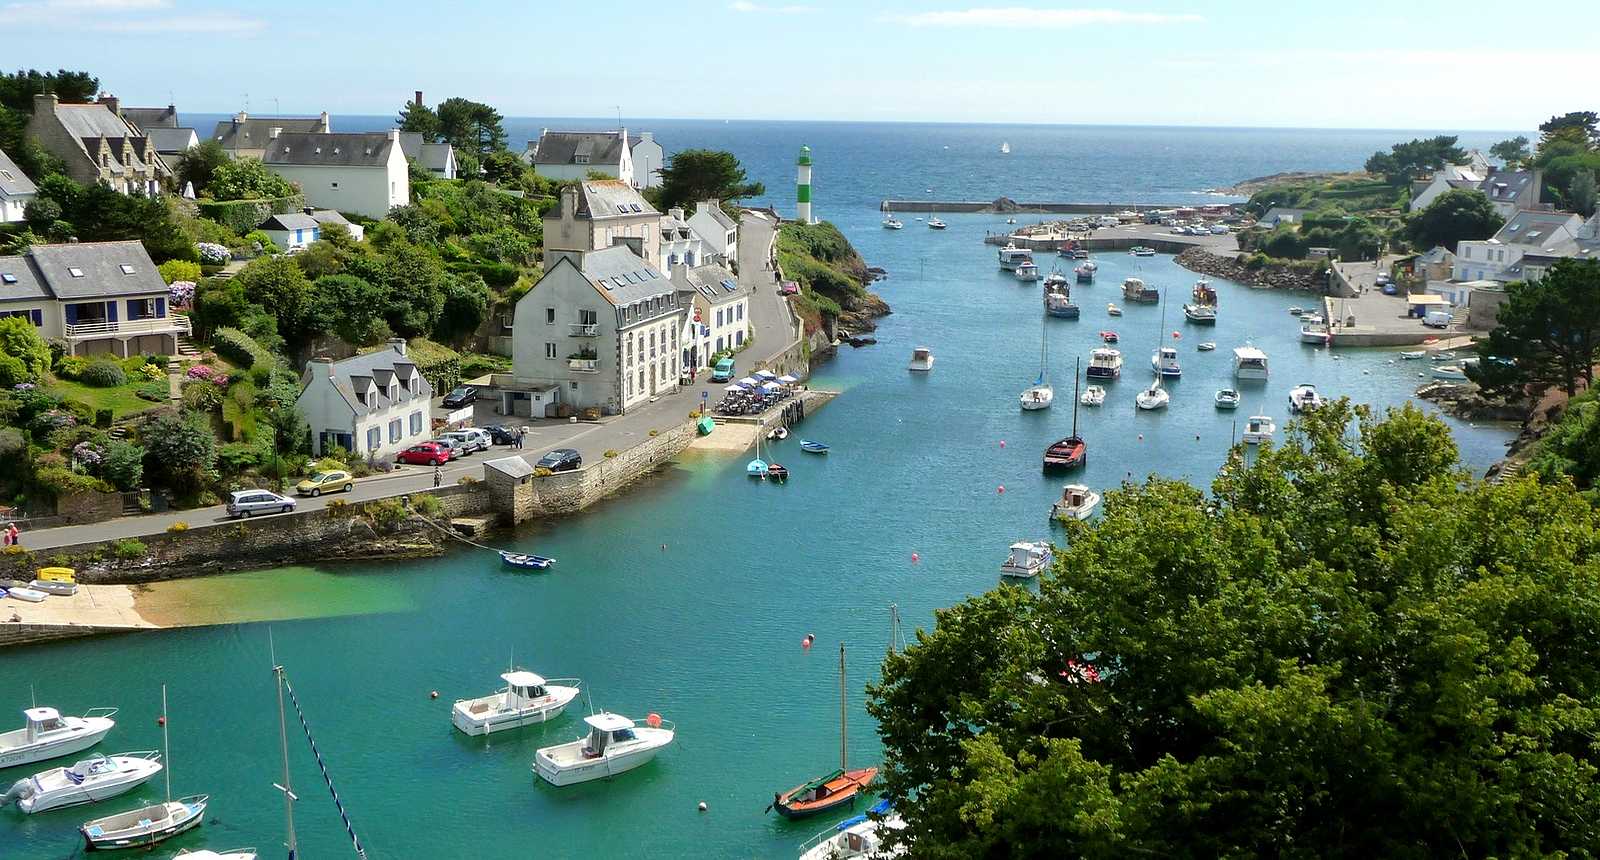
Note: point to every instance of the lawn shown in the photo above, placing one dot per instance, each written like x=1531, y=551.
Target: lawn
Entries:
x=120, y=400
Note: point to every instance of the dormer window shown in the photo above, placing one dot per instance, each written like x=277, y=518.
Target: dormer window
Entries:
x=580, y=159
x=127, y=269
x=75, y=272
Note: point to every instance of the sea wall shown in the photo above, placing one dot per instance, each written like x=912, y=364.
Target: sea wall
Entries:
x=32, y=634
x=570, y=492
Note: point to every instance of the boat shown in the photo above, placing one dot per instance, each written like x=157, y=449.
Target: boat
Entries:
x=828, y=792
x=1442, y=356
x=778, y=434
x=1316, y=334
x=1154, y=397
x=1113, y=310
x=1055, y=279
x=1135, y=290
x=31, y=595
x=1070, y=452
x=59, y=589
x=1108, y=336
x=1304, y=398
x=1059, y=304
x=1026, y=272
x=1080, y=253
x=526, y=699
x=705, y=425
x=1092, y=395
x=1040, y=395
x=1077, y=502
x=147, y=825
x=935, y=224
x=1027, y=558
x=1296, y=311
x=1249, y=363
x=921, y=360
x=856, y=838
x=1227, y=398
x=1011, y=220
x=45, y=734
x=1005, y=148
x=1206, y=346
x=777, y=472
x=615, y=744
x=1011, y=256
x=1450, y=371
x=1085, y=273
x=91, y=780
x=1142, y=251
x=1413, y=354
x=1258, y=429
x=1104, y=363
x=893, y=223
x=1200, y=314
x=207, y=854
x=757, y=468
x=524, y=560
x=811, y=447
x=1164, y=361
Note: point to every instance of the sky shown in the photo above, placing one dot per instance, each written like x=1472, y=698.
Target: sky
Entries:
x=1463, y=64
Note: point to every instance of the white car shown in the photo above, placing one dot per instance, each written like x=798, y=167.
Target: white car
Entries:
x=469, y=439
x=1219, y=229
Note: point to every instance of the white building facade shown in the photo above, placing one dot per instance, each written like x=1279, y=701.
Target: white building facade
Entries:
x=718, y=229
x=1498, y=257
x=720, y=318
x=648, y=159
x=373, y=405
x=16, y=191
x=364, y=173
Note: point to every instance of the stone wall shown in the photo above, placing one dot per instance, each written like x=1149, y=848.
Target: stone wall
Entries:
x=32, y=634
x=569, y=492
x=1229, y=268
x=91, y=507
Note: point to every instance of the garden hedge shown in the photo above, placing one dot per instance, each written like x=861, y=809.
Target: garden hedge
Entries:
x=243, y=216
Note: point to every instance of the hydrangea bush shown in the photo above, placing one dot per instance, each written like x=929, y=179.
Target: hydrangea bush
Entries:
x=211, y=252
x=207, y=373
x=88, y=454
x=182, y=293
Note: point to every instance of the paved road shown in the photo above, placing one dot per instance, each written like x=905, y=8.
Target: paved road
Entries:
x=770, y=322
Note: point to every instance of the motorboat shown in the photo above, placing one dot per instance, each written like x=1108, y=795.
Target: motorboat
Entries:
x=841, y=787
x=1413, y=354
x=1317, y=334
x=921, y=360
x=1227, y=398
x=526, y=561
x=856, y=838
x=1011, y=257
x=935, y=224
x=811, y=447
x=145, y=826
x=1296, y=311
x=1085, y=273
x=22, y=592
x=1026, y=272
x=526, y=699
x=1142, y=251
x=1165, y=362
x=1450, y=371
x=1055, y=280
x=91, y=780
x=1135, y=290
x=1059, y=304
x=1027, y=558
x=45, y=734
x=1258, y=429
x=1206, y=346
x=1011, y=220
x=1200, y=314
x=1203, y=293
x=1104, y=363
x=893, y=223
x=1093, y=395
x=778, y=434
x=1304, y=398
x=615, y=744
x=1113, y=310
x=1154, y=397
x=1249, y=363
x=1077, y=502
x=1442, y=356
x=1080, y=253
x=1109, y=336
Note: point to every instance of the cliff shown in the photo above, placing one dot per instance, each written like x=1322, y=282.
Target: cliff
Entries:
x=832, y=277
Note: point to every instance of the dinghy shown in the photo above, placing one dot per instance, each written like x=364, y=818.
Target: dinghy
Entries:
x=526, y=699
x=811, y=447
x=146, y=825
x=31, y=595
x=46, y=734
x=523, y=560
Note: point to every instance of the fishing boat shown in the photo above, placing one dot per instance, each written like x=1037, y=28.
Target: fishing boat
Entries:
x=856, y=838
x=1093, y=395
x=91, y=780
x=921, y=360
x=1113, y=310
x=1026, y=272
x=1077, y=502
x=1108, y=336
x=1011, y=257
x=526, y=699
x=893, y=223
x=524, y=560
x=615, y=744
x=1258, y=429
x=45, y=734
x=1058, y=303
x=1070, y=452
x=150, y=824
x=1450, y=371
x=1135, y=290
x=1203, y=310
x=1054, y=280
x=1249, y=363
x=1304, y=398
x=21, y=592
x=1027, y=558
x=1413, y=354
x=1227, y=398
x=1104, y=363
x=811, y=447
x=757, y=468
x=1085, y=273
x=1040, y=395
x=1142, y=251
x=935, y=224
x=833, y=790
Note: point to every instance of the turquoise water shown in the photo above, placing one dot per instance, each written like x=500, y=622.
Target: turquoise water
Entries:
x=689, y=595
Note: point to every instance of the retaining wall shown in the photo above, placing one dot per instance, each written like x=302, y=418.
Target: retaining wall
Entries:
x=569, y=492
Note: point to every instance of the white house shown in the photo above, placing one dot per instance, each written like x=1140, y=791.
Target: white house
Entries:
x=16, y=190
x=1510, y=191
x=375, y=405
x=1497, y=258
x=596, y=213
x=681, y=245
x=718, y=229
x=98, y=298
x=720, y=318
x=576, y=154
x=648, y=159
x=602, y=326
x=364, y=173
x=299, y=229
x=439, y=159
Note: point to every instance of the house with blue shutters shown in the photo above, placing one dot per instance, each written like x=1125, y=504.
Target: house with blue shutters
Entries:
x=299, y=229
x=374, y=405
x=100, y=298
x=718, y=322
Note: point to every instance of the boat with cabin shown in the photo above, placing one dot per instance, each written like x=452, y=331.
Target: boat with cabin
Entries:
x=1040, y=395
x=526, y=699
x=1093, y=395
x=1058, y=303
x=1113, y=310
x=857, y=838
x=935, y=224
x=1154, y=397
x=1304, y=398
x=1316, y=333
x=1227, y=398
x=45, y=734
x=1077, y=502
x=615, y=744
x=1085, y=272
x=1055, y=280
x=1104, y=363
x=1258, y=429
x=97, y=778
x=1072, y=451
x=1142, y=251
x=1165, y=362
x=893, y=223
x=1026, y=272
x=842, y=787
x=921, y=360
x=1027, y=558
x=1249, y=363
x=1011, y=257
x=1135, y=290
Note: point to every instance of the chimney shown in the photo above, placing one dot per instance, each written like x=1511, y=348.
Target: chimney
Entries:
x=676, y=213
x=309, y=210
x=394, y=136
x=111, y=102
x=45, y=102
x=419, y=98
x=632, y=243
x=569, y=202
x=320, y=364
x=398, y=344
x=276, y=130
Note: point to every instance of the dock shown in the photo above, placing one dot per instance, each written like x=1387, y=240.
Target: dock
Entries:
x=736, y=433
x=1374, y=319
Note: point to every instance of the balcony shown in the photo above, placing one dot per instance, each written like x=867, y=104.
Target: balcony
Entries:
x=584, y=365
x=128, y=328
x=583, y=329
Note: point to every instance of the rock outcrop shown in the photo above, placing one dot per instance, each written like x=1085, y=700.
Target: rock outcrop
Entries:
x=1232, y=269
x=1464, y=400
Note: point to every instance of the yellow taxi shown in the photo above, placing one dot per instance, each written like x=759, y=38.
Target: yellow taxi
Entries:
x=325, y=482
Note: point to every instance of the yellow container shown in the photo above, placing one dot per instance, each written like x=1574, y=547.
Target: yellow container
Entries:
x=57, y=574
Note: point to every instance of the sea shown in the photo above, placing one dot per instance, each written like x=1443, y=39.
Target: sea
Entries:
x=690, y=594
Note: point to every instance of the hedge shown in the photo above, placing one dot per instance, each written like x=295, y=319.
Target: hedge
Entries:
x=241, y=349
x=243, y=216
x=498, y=276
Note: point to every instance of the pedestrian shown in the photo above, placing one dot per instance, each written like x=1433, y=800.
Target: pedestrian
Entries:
x=7, y=533
x=438, y=475
x=522, y=436
x=13, y=535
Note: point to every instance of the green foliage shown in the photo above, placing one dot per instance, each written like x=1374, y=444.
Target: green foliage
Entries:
x=466, y=301
x=155, y=391
x=103, y=374
x=129, y=549
x=261, y=241
x=98, y=214
x=1286, y=242
x=385, y=514
x=1580, y=194
x=24, y=356
x=181, y=450
x=279, y=411
x=1550, y=328
x=426, y=504
x=1416, y=158
x=241, y=349
x=420, y=119
x=124, y=464
x=58, y=481
x=351, y=309
x=246, y=179
x=199, y=165
x=694, y=175
x=1578, y=127
x=244, y=216
x=439, y=364
x=180, y=270
x=830, y=272
x=1460, y=214
x=471, y=127
x=1512, y=151
x=18, y=89
x=278, y=285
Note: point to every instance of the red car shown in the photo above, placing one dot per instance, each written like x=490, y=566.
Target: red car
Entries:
x=426, y=454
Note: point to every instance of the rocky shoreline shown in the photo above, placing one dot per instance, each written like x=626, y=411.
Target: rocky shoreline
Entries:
x=1266, y=277
x=1248, y=187
x=1464, y=400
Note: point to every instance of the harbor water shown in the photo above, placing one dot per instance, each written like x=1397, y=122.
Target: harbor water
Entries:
x=689, y=595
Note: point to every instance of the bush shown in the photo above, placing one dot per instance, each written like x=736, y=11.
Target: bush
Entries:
x=241, y=349
x=71, y=366
x=244, y=216
x=427, y=505
x=178, y=527
x=261, y=242
x=102, y=418
x=202, y=396
x=156, y=391
x=179, y=270
x=124, y=464
x=385, y=514
x=129, y=549
x=103, y=373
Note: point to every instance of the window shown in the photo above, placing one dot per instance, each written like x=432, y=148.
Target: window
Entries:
x=127, y=269
x=374, y=438
x=394, y=431
x=580, y=159
x=416, y=422
x=574, y=385
x=719, y=316
x=549, y=316
x=641, y=379
x=549, y=350
x=75, y=272
x=630, y=347
x=334, y=184
x=630, y=387
x=741, y=310
x=588, y=318
x=8, y=278
x=35, y=316
x=738, y=338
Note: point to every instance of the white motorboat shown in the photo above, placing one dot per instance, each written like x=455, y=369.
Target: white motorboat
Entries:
x=615, y=744
x=55, y=587
x=1154, y=397
x=205, y=854
x=1207, y=346
x=1077, y=502
x=1113, y=310
x=46, y=734
x=856, y=837
x=935, y=224
x=1227, y=398
x=1094, y=395
x=1104, y=363
x=1249, y=363
x=1026, y=272
x=1011, y=256
x=1413, y=354
x=1316, y=333
x=146, y=825
x=1027, y=558
x=1442, y=356
x=89, y=781
x=31, y=595
x=1165, y=362
x=1259, y=429
x=1200, y=314
x=893, y=223
x=1304, y=398
x=1450, y=371
x=1296, y=311
x=526, y=699
x=921, y=360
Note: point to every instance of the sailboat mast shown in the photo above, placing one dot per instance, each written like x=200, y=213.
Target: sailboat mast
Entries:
x=842, y=733
x=283, y=741
x=166, y=745
x=1075, y=363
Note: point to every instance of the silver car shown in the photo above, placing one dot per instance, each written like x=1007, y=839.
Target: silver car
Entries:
x=244, y=503
x=468, y=440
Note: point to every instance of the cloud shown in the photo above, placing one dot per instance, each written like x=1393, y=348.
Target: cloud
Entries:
x=1019, y=17
x=222, y=22
x=746, y=6
x=123, y=16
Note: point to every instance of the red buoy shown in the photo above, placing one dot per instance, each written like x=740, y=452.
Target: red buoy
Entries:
x=161, y=721
x=915, y=558
x=654, y=720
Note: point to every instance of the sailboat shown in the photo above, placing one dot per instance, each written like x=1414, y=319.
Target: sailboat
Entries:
x=1040, y=395
x=1165, y=359
x=834, y=790
x=148, y=825
x=757, y=468
x=1071, y=452
x=1005, y=147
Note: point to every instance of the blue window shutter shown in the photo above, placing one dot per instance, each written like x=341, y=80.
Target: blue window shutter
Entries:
x=38, y=318
x=133, y=309
x=161, y=306
x=72, y=314
x=111, y=311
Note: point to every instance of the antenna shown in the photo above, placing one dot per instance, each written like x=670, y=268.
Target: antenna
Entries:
x=619, y=116
x=276, y=108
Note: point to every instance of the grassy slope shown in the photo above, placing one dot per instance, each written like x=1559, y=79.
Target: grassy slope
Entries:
x=831, y=274
x=120, y=400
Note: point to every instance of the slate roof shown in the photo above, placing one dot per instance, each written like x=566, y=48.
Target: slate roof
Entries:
x=350, y=374
x=562, y=147
x=101, y=264
x=611, y=198
x=1537, y=229
x=13, y=182
x=151, y=118
x=515, y=467
x=255, y=132
x=93, y=120
x=19, y=281
x=370, y=149
x=173, y=140
x=329, y=216
x=622, y=277
x=711, y=282
x=289, y=221
x=432, y=156
x=714, y=209
x=1436, y=254
x=1505, y=186
x=1283, y=214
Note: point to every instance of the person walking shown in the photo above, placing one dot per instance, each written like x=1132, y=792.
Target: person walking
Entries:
x=522, y=436
x=438, y=475
x=13, y=535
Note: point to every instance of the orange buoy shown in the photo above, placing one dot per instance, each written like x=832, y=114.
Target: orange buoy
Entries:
x=654, y=720
x=161, y=721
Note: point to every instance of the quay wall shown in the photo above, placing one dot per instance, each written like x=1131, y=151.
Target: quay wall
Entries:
x=32, y=634
x=1005, y=205
x=570, y=492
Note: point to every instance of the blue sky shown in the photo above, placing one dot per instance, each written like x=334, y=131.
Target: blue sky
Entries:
x=1351, y=64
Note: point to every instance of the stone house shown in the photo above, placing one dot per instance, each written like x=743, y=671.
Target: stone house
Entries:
x=597, y=213
x=364, y=173
x=375, y=405
x=16, y=190
x=97, y=145
x=245, y=136
x=98, y=297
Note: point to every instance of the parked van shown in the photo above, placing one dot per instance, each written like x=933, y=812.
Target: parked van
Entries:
x=723, y=371
x=1438, y=319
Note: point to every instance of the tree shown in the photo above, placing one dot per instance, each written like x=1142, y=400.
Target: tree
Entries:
x=278, y=286
x=470, y=126
x=199, y=166
x=420, y=119
x=21, y=341
x=279, y=403
x=504, y=168
x=1460, y=214
x=1550, y=327
x=466, y=302
x=1287, y=243
x=180, y=449
x=1416, y=158
x=124, y=464
x=1512, y=151
x=17, y=90
x=246, y=179
x=694, y=175
x=1347, y=649
x=351, y=308
x=1578, y=127
x=1581, y=193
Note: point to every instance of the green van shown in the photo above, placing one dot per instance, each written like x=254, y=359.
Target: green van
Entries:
x=723, y=371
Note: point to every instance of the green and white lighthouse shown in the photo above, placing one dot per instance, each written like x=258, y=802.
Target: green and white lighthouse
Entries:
x=802, y=189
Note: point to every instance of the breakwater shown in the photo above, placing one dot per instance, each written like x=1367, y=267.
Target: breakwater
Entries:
x=1006, y=204
x=1231, y=268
